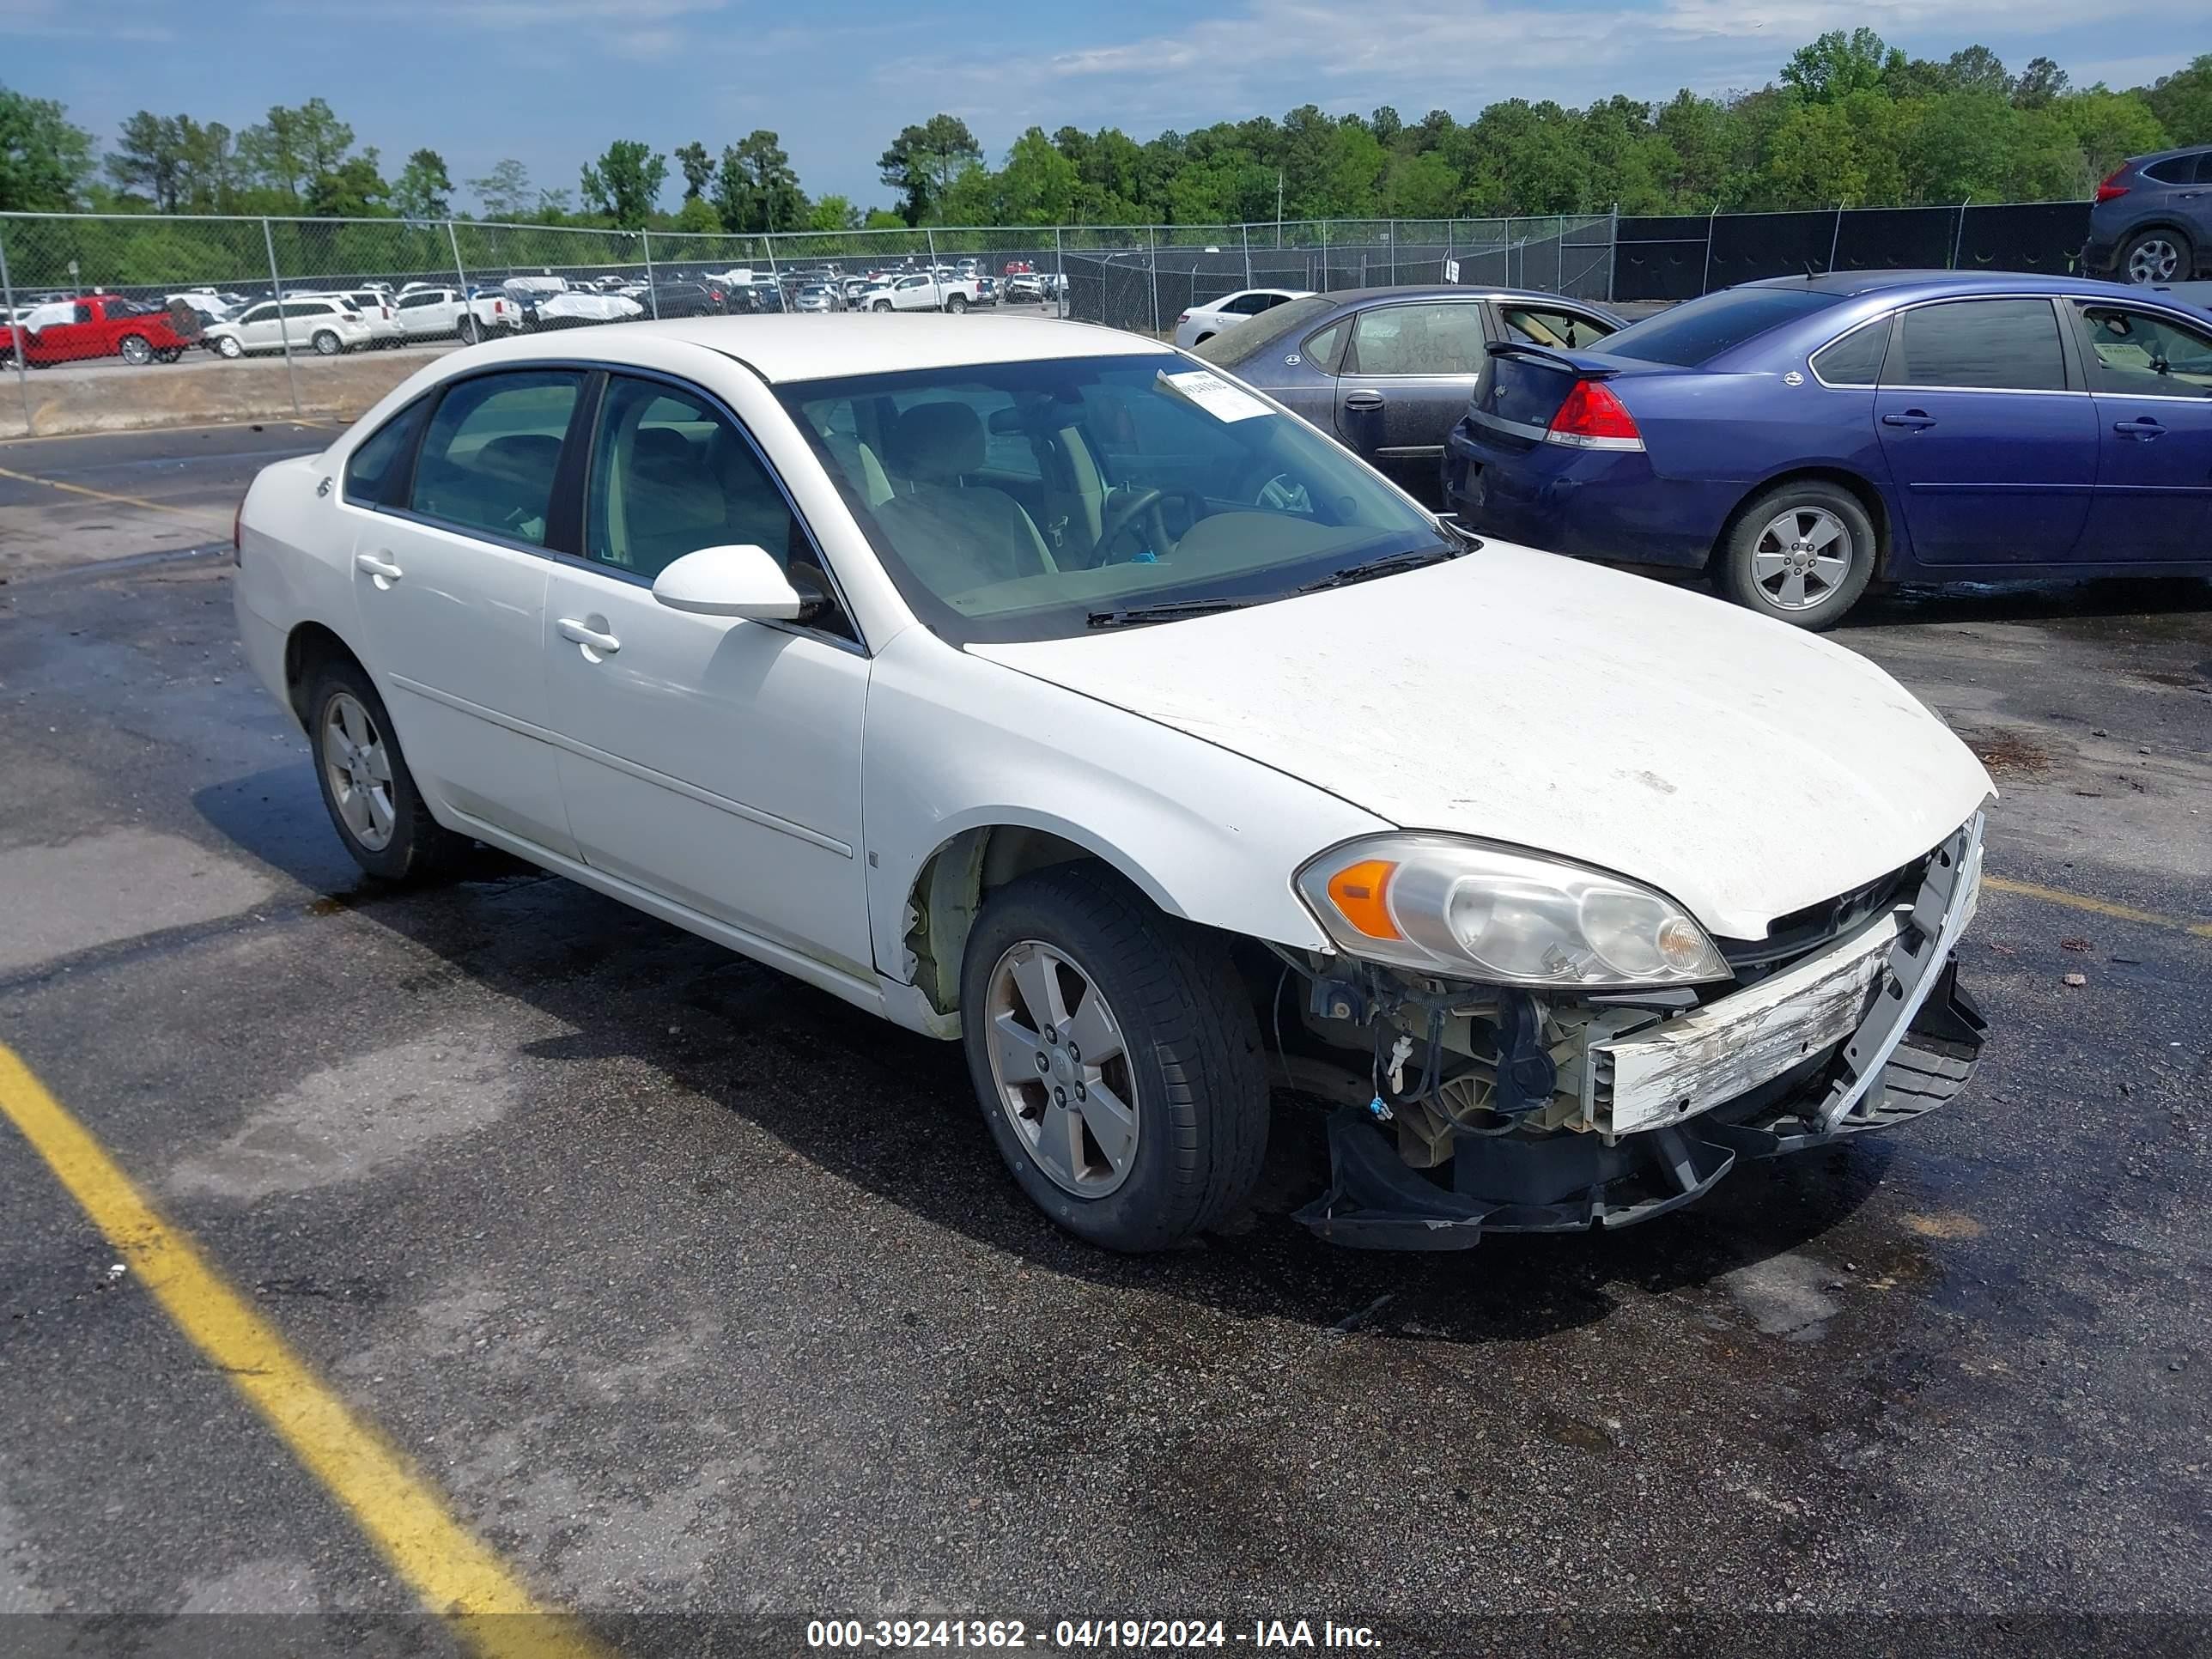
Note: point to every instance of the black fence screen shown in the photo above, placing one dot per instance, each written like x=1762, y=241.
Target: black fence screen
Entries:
x=1679, y=257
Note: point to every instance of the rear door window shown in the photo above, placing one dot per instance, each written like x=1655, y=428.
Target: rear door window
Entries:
x=492, y=450
x=1986, y=345
x=2174, y=170
x=1445, y=338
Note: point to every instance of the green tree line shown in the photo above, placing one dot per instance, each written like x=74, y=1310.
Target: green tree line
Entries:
x=1850, y=120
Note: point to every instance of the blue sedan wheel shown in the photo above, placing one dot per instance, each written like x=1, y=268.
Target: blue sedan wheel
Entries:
x=1801, y=553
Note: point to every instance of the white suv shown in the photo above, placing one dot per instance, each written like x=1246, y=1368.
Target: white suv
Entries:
x=317, y=323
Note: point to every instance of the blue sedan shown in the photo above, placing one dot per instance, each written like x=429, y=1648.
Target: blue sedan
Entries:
x=1799, y=438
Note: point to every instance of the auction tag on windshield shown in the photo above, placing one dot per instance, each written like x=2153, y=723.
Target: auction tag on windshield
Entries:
x=1215, y=395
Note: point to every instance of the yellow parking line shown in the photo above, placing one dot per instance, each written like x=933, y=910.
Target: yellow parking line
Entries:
x=454, y=1573
x=123, y=500
x=2096, y=906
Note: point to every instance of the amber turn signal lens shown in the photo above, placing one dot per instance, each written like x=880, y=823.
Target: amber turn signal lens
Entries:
x=1360, y=891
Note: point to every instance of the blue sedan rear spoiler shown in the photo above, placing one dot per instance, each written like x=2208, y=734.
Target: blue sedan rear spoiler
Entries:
x=1574, y=363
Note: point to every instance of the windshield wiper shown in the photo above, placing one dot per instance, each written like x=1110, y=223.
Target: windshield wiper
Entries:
x=1389, y=565
x=1166, y=611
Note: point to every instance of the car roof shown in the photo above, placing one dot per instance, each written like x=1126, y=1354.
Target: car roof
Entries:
x=2153, y=157
x=1847, y=283
x=784, y=349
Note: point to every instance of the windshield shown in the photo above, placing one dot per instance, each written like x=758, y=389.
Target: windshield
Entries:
x=1031, y=500
x=1247, y=335
x=1698, y=331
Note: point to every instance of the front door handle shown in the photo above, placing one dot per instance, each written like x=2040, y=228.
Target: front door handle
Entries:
x=1363, y=400
x=589, y=637
x=1917, y=419
x=2142, y=426
x=376, y=565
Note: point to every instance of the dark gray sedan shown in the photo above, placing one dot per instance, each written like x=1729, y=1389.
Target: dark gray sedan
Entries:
x=1386, y=371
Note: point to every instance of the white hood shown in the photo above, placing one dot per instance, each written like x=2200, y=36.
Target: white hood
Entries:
x=1746, y=767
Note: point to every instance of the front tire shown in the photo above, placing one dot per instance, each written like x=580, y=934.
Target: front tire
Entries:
x=367, y=788
x=883, y=305
x=1116, y=1058
x=230, y=346
x=1801, y=553
x=2157, y=256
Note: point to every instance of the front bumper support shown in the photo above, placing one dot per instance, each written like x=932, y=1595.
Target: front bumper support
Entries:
x=1567, y=1182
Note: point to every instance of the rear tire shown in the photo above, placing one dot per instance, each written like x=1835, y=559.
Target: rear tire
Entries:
x=956, y=304
x=1801, y=553
x=2157, y=255
x=135, y=351
x=326, y=344
x=1180, y=1050
x=368, y=790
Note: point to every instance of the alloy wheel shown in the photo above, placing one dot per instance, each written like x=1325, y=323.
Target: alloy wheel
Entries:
x=1802, y=556
x=1060, y=1069
x=359, y=770
x=2153, y=260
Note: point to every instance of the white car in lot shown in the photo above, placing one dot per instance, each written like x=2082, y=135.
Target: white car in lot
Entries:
x=1040, y=688
x=375, y=306
x=435, y=314
x=325, y=324
x=925, y=291
x=1202, y=323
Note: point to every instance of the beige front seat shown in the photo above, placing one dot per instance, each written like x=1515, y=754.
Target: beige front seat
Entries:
x=954, y=535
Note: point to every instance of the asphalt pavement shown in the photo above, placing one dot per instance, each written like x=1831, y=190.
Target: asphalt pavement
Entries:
x=698, y=1295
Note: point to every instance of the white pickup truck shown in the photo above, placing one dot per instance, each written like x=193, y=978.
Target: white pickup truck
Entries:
x=431, y=313
x=922, y=292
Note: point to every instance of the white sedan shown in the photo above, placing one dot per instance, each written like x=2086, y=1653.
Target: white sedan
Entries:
x=1041, y=689
x=1202, y=323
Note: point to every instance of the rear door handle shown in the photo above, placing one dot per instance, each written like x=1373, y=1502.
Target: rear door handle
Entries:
x=1917, y=419
x=2141, y=427
x=1369, y=400
x=590, y=638
x=376, y=565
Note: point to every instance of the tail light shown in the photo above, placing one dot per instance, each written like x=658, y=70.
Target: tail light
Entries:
x=2110, y=190
x=1593, y=418
x=1181, y=320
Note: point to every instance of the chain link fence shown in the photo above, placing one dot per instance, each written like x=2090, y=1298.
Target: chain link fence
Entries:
x=209, y=291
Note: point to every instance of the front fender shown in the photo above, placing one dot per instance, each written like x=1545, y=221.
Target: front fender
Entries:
x=955, y=743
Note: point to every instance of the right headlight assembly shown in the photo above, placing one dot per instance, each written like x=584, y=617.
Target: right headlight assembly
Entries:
x=1462, y=910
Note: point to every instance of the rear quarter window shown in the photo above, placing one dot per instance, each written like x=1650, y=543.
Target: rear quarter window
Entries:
x=1856, y=359
x=2176, y=169
x=1241, y=342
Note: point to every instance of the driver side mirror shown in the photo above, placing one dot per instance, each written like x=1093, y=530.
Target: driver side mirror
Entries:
x=741, y=580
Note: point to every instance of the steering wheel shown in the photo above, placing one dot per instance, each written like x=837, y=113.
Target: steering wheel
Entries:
x=1145, y=503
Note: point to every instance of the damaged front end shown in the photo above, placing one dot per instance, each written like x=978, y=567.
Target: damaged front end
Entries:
x=1509, y=1109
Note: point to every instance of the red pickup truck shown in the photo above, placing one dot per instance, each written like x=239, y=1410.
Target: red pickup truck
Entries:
x=96, y=325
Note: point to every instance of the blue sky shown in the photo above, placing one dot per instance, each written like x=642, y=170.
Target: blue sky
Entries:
x=550, y=82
